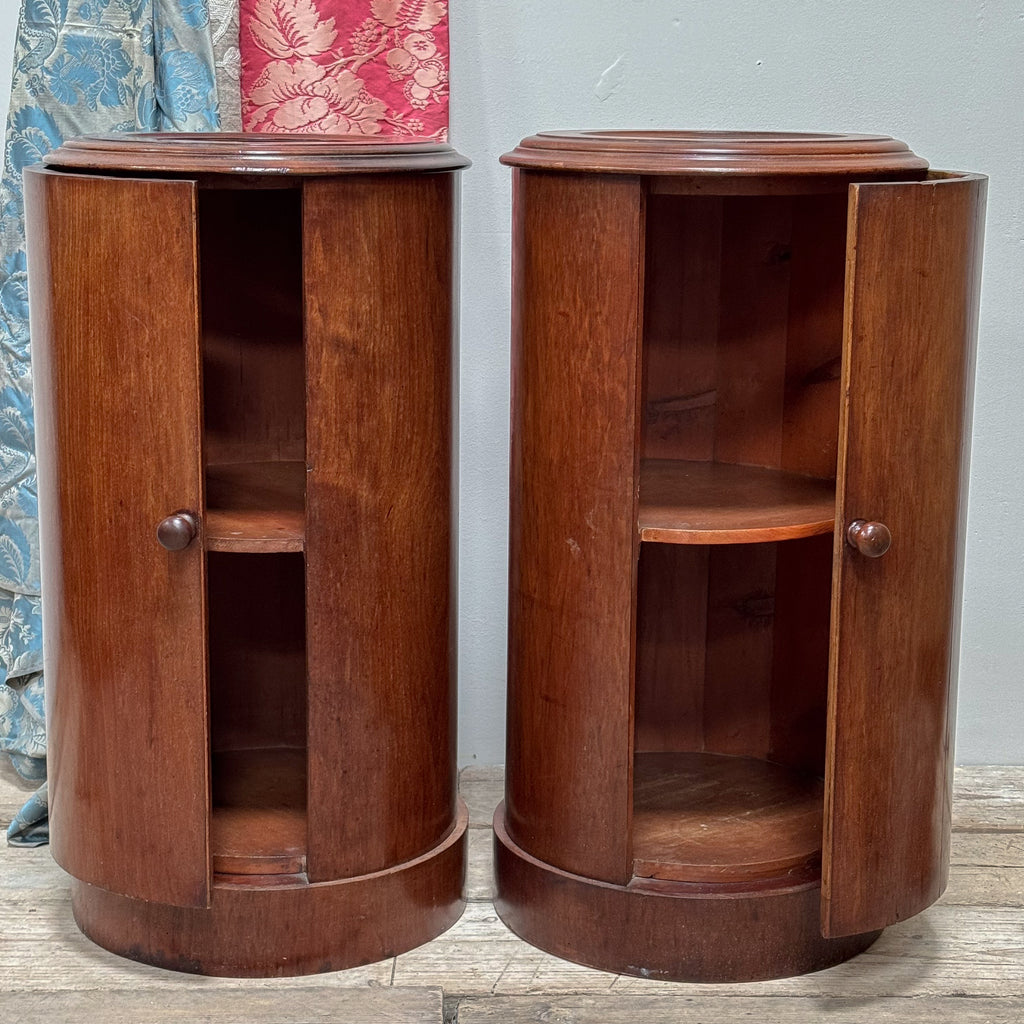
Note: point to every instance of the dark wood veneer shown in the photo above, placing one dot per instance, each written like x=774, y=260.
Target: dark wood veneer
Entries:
x=261, y=156
x=98, y=318
x=729, y=708
x=245, y=447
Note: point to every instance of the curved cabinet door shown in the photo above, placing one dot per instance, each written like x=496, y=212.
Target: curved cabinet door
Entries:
x=913, y=259
x=115, y=342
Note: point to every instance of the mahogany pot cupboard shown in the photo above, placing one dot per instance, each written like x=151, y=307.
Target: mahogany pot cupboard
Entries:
x=741, y=377
x=243, y=360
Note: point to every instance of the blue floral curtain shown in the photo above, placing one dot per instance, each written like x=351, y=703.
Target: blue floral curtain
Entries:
x=79, y=66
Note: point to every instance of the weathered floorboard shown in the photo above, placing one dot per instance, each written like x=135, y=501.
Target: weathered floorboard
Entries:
x=988, y=799
x=480, y=865
x=961, y=960
x=483, y=789
x=294, y=1005
x=988, y=849
x=948, y=950
x=737, y=1010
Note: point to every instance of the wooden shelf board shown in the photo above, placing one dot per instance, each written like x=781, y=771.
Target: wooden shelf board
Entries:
x=709, y=818
x=718, y=503
x=258, y=825
x=254, y=531
x=255, y=506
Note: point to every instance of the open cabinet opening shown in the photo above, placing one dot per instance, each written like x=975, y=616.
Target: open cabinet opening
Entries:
x=250, y=263
x=254, y=442
x=741, y=388
x=257, y=713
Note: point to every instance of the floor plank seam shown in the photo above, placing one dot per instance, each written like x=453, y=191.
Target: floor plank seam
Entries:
x=450, y=1008
x=989, y=830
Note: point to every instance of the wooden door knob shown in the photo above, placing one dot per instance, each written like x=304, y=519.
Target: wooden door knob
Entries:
x=871, y=539
x=177, y=531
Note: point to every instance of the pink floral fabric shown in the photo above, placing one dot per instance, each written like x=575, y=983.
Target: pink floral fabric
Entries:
x=345, y=67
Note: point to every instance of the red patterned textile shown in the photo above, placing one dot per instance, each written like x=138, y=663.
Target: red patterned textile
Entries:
x=345, y=67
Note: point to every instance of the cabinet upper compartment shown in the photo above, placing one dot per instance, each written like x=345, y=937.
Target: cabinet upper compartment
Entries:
x=251, y=153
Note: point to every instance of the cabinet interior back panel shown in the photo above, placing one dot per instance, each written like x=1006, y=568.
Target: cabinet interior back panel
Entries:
x=257, y=650
x=742, y=350
x=250, y=263
x=732, y=649
x=743, y=321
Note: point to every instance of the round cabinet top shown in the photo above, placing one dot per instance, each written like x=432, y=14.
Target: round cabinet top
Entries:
x=252, y=153
x=699, y=153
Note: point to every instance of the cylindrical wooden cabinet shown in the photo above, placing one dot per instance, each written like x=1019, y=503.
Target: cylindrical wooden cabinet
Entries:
x=243, y=359
x=741, y=377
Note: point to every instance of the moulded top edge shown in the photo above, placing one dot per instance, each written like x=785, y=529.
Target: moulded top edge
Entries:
x=713, y=152
x=252, y=153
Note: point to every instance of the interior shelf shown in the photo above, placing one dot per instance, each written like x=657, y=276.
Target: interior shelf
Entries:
x=709, y=818
x=684, y=502
x=255, y=506
x=259, y=812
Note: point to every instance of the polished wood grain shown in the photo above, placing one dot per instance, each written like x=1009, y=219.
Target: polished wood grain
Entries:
x=717, y=503
x=750, y=387
x=800, y=653
x=323, y=354
x=666, y=930
x=682, y=285
x=258, y=825
x=254, y=531
x=713, y=818
x=264, y=159
x=116, y=355
x=721, y=381
x=910, y=329
x=747, y=263
x=775, y=373
x=671, y=647
x=761, y=365
x=379, y=553
x=738, y=669
x=262, y=930
x=711, y=157
x=573, y=539
x=814, y=335
x=809, y=445
x=255, y=506
x=679, y=395
x=751, y=365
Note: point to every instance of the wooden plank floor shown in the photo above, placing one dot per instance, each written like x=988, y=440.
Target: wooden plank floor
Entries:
x=961, y=961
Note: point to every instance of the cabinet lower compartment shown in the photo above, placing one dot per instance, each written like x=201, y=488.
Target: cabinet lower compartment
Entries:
x=700, y=817
x=278, y=930
x=669, y=931
x=258, y=823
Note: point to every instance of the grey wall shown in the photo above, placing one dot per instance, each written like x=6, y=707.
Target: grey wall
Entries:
x=947, y=76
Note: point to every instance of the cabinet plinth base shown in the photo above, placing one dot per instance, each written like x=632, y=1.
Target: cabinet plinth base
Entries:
x=254, y=931
x=671, y=935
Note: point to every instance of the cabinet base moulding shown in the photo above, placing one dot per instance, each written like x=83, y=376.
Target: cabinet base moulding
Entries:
x=256, y=931
x=748, y=933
